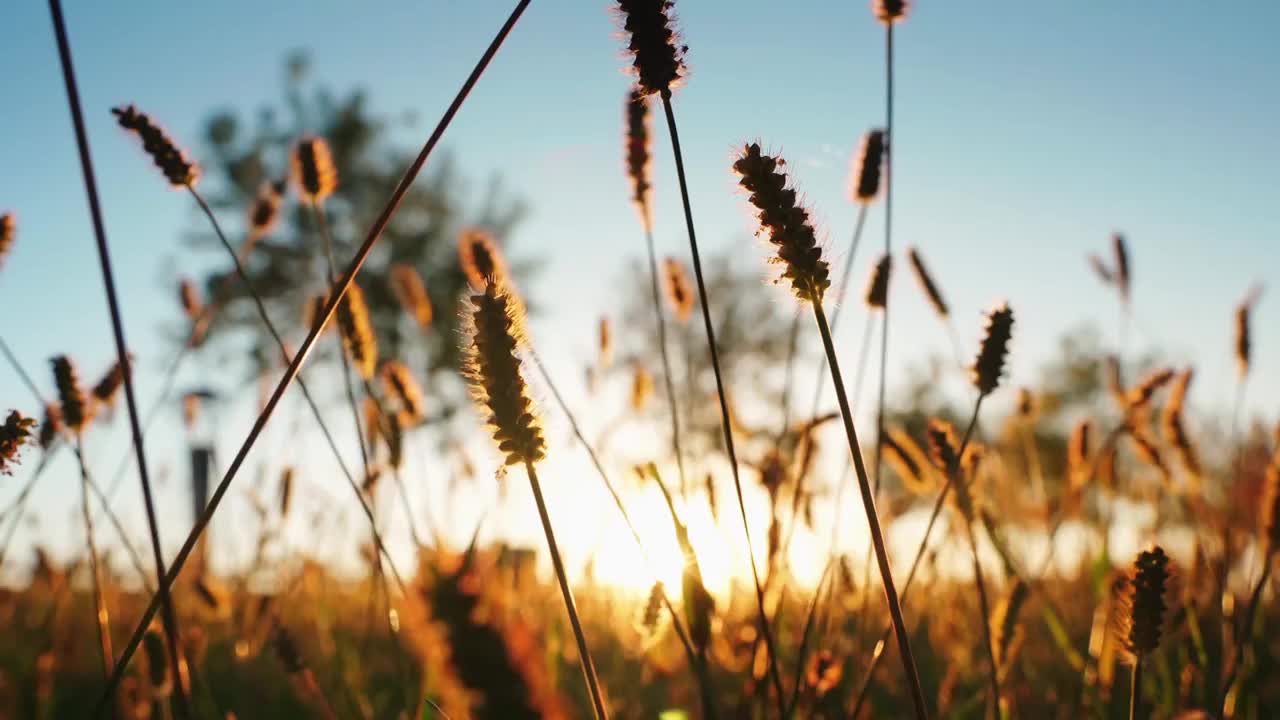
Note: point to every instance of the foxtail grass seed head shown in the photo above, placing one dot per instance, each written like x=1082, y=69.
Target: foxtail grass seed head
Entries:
x=1243, y=345
x=1079, y=448
x=927, y=284
x=868, y=167
x=639, y=156
x=878, y=287
x=1144, y=446
x=1004, y=622
x=167, y=156
x=890, y=12
x=908, y=460
x=784, y=222
x=657, y=55
x=51, y=427
x=1026, y=405
x=76, y=411
x=357, y=333
x=286, y=491
x=641, y=388
x=944, y=450
x=14, y=434
x=1114, y=379
x=8, y=231
x=1178, y=393
x=313, y=310
x=287, y=652
x=496, y=381
x=399, y=383
x=313, y=171
x=189, y=298
x=1173, y=429
x=1270, y=517
x=1123, y=278
x=679, y=290
x=411, y=293
x=1142, y=602
x=107, y=389
x=604, y=336
x=652, y=614
x=1100, y=269
x=1140, y=395
x=989, y=365
x=395, y=440
x=153, y=647
x=480, y=259
x=264, y=211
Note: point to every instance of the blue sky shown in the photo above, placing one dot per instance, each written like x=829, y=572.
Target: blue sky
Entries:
x=1026, y=134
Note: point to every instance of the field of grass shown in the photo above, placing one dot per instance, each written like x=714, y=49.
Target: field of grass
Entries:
x=1008, y=600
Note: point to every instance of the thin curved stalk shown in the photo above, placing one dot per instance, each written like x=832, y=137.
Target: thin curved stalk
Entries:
x=1246, y=632
x=878, y=652
x=265, y=317
x=102, y=619
x=805, y=634
x=168, y=616
x=984, y=608
x=584, y=653
x=873, y=520
x=888, y=250
x=1135, y=690
x=721, y=393
x=295, y=366
x=660, y=318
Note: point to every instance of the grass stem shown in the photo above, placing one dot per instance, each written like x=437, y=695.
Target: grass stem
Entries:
x=873, y=520
x=584, y=653
x=168, y=616
x=721, y=393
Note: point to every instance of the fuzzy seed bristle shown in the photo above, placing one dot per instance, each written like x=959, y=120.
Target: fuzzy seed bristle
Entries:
x=494, y=371
x=785, y=222
x=679, y=291
x=313, y=169
x=878, y=287
x=890, y=12
x=163, y=151
x=14, y=434
x=868, y=165
x=1243, y=344
x=1141, y=603
x=927, y=284
x=480, y=259
x=1123, y=278
x=8, y=231
x=638, y=156
x=657, y=55
x=51, y=427
x=189, y=298
x=989, y=365
x=1140, y=395
x=76, y=411
x=357, y=333
x=400, y=384
x=411, y=293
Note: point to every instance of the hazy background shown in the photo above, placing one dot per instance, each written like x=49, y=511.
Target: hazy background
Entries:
x=1025, y=135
